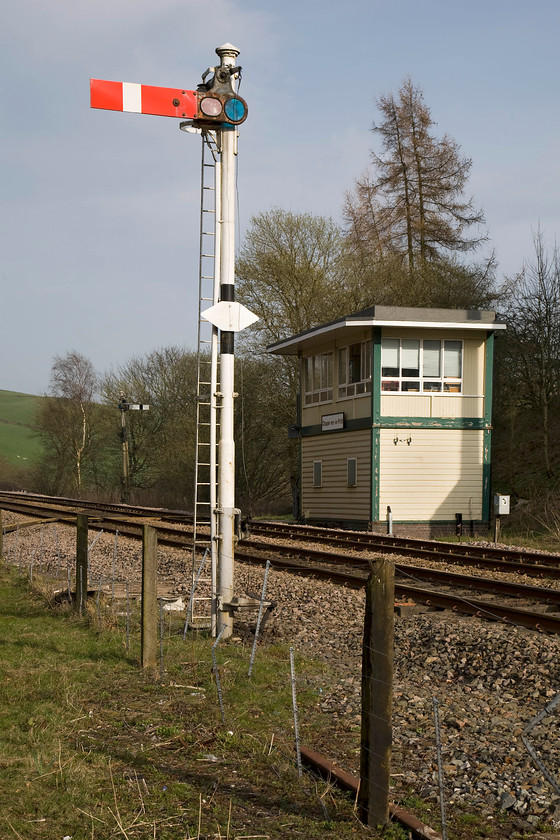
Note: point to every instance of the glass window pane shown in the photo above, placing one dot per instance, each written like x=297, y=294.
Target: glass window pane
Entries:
x=410, y=357
x=431, y=358
x=317, y=473
x=411, y=386
x=324, y=370
x=452, y=352
x=328, y=382
x=431, y=386
x=342, y=368
x=355, y=363
x=390, y=356
x=390, y=385
x=316, y=373
x=308, y=373
x=366, y=360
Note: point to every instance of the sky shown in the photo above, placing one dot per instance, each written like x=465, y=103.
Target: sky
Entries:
x=100, y=210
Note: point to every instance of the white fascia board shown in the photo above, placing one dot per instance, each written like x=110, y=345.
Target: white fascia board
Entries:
x=369, y=322
x=431, y=325
x=290, y=342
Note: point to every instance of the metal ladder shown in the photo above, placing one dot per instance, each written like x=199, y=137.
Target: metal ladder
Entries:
x=205, y=525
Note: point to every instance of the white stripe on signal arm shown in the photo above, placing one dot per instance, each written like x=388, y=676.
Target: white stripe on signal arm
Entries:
x=132, y=97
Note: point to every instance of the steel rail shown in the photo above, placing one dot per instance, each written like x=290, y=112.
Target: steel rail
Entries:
x=483, y=609
x=122, y=514
x=330, y=772
x=84, y=505
x=179, y=539
x=551, y=596
x=404, y=545
x=488, y=556
x=128, y=525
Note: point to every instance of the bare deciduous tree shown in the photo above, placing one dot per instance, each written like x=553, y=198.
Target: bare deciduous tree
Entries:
x=66, y=418
x=290, y=272
x=162, y=440
x=74, y=383
x=532, y=358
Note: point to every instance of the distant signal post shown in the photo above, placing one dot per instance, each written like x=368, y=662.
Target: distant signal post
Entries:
x=213, y=107
x=124, y=406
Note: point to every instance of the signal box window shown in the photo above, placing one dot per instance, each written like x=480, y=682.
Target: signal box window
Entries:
x=408, y=364
x=354, y=369
x=317, y=473
x=318, y=378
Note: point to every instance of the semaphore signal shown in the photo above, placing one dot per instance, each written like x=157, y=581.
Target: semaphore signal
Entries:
x=143, y=99
x=216, y=109
x=213, y=102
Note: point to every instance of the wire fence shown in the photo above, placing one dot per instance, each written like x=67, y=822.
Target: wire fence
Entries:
x=115, y=606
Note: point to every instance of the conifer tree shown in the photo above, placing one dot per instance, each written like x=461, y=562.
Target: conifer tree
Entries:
x=408, y=211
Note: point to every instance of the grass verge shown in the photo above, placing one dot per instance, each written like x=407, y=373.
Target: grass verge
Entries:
x=92, y=747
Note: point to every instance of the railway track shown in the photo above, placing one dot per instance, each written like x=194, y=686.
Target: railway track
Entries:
x=536, y=619
x=169, y=535
x=485, y=556
x=497, y=558
x=9, y=500
x=345, y=568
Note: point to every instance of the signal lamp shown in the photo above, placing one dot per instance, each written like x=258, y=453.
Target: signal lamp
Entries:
x=220, y=108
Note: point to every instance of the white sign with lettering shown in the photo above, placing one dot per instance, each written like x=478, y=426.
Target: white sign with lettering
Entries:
x=332, y=421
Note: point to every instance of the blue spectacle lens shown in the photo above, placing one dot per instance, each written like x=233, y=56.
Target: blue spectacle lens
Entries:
x=234, y=109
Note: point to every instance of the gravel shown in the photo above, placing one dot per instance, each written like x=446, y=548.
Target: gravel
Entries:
x=490, y=679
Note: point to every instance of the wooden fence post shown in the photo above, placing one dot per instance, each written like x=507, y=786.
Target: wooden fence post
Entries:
x=1, y=534
x=377, y=691
x=148, y=636
x=82, y=524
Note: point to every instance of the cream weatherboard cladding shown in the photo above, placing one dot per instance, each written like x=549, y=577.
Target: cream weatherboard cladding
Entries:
x=431, y=474
x=335, y=499
x=431, y=405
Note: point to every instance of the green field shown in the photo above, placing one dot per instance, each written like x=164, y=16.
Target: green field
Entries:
x=18, y=445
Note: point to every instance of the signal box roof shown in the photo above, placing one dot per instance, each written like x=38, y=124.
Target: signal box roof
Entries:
x=391, y=316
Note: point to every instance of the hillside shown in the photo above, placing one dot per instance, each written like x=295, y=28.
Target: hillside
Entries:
x=18, y=445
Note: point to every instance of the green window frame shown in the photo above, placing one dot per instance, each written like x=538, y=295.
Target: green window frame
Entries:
x=421, y=366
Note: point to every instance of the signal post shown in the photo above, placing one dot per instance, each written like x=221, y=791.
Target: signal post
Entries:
x=124, y=405
x=216, y=107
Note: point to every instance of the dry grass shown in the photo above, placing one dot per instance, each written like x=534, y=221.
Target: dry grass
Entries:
x=93, y=748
